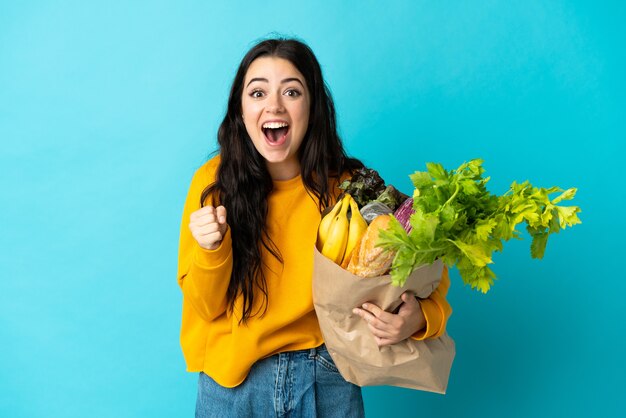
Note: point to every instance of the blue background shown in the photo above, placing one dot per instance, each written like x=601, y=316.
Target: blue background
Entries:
x=107, y=108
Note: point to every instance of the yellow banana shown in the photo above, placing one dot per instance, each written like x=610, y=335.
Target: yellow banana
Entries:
x=335, y=245
x=358, y=225
x=322, y=231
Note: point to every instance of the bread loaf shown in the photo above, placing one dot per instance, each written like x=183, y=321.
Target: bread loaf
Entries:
x=367, y=260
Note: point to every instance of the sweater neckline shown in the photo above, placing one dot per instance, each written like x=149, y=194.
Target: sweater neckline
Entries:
x=288, y=184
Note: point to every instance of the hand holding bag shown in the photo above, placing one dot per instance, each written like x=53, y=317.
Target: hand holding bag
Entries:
x=423, y=365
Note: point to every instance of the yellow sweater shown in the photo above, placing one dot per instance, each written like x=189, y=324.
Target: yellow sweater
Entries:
x=211, y=338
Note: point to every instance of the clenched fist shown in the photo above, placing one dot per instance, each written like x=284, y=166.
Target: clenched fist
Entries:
x=208, y=226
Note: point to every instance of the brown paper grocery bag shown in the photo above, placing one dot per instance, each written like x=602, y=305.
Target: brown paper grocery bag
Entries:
x=423, y=365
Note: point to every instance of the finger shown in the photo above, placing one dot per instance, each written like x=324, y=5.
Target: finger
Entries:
x=202, y=222
x=215, y=236
x=384, y=341
x=379, y=332
x=370, y=318
x=204, y=234
x=211, y=239
x=208, y=229
x=202, y=212
x=379, y=313
x=205, y=220
x=221, y=214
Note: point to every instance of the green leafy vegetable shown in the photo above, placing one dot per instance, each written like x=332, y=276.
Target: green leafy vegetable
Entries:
x=391, y=197
x=364, y=186
x=458, y=220
x=367, y=186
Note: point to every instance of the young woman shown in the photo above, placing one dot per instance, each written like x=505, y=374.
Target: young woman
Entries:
x=246, y=250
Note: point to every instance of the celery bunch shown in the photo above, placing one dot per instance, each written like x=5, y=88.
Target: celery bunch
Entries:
x=458, y=220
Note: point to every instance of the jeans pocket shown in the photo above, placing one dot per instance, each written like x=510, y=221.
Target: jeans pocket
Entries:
x=326, y=361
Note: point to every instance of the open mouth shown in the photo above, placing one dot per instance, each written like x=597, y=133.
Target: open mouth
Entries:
x=275, y=132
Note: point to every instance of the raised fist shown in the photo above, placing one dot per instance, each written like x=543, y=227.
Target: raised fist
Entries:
x=208, y=226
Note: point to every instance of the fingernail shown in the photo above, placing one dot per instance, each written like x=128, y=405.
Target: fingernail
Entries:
x=355, y=311
x=365, y=306
x=222, y=219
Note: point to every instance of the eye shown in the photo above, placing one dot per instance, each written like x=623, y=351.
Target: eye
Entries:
x=255, y=94
x=292, y=93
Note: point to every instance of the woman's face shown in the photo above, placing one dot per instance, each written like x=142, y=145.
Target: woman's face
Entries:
x=275, y=107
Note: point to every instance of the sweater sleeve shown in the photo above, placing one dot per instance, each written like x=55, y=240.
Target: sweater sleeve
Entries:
x=436, y=310
x=203, y=275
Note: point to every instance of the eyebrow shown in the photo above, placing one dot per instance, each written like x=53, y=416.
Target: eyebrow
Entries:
x=283, y=81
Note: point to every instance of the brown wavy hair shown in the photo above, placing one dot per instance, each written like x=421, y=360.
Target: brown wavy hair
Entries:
x=243, y=182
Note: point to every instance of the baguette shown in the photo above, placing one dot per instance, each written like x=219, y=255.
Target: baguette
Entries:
x=367, y=260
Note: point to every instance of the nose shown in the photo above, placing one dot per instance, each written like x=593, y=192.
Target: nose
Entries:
x=275, y=104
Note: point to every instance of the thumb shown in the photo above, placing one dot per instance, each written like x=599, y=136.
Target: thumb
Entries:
x=409, y=298
x=221, y=216
x=410, y=304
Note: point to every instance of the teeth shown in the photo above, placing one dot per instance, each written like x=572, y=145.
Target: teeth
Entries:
x=275, y=125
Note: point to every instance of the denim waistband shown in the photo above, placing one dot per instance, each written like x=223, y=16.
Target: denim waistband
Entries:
x=313, y=351
x=309, y=352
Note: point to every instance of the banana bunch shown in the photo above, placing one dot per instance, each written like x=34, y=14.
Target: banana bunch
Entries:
x=337, y=234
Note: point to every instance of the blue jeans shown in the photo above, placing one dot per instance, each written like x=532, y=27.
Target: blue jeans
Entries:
x=303, y=383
